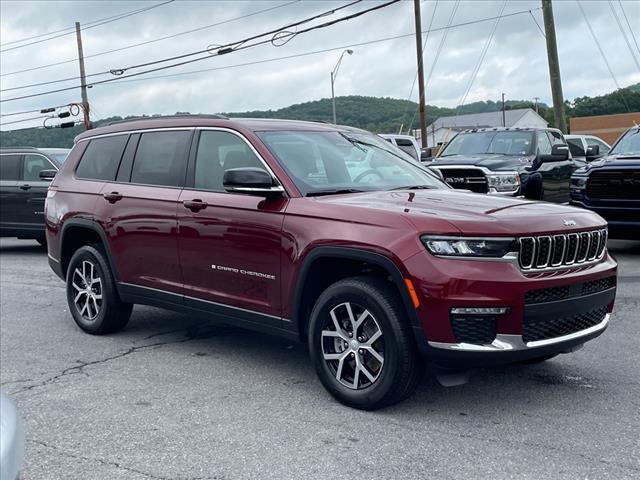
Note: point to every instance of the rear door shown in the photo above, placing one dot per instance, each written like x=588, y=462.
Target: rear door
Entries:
x=10, y=193
x=34, y=190
x=138, y=209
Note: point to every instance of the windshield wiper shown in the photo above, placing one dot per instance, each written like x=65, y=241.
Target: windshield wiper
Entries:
x=414, y=187
x=336, y=191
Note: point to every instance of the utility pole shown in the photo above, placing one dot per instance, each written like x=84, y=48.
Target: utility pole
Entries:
x=554, y=66
x=83, y=80
x=536, y=104
x=423, y=120
x=504, y=119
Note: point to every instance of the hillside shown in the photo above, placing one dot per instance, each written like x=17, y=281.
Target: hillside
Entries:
x=380, y=115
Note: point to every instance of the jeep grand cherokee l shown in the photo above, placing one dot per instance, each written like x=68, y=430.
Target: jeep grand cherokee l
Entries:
x=610, y=186
x=531, y=162
x=25, y=174
x=324, y=234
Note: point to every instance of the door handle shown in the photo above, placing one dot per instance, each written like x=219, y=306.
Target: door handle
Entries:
x=26, y=186
x=112, y=197
x=195, y=205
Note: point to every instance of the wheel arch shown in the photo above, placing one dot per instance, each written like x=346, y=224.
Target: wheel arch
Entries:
x=78, y=232
x=307, y=291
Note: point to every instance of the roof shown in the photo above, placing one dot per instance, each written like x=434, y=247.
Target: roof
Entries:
x=486, y=119
x=508, y=129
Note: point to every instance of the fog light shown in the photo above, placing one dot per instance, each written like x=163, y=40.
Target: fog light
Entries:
x=479, y=310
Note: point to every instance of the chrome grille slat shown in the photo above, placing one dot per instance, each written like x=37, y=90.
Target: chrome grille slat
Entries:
x=545, y=252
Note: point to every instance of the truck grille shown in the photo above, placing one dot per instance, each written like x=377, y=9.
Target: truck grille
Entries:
x=466, y=178
x=552, y=251
x=560, y=326
x=478, y=329
x=614, y=184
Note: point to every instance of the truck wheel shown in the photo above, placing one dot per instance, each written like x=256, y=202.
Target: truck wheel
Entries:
x=361, y=344
x=91, y=293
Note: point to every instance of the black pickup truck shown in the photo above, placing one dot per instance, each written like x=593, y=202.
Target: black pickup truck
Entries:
x=531, y=162
x=610, y=186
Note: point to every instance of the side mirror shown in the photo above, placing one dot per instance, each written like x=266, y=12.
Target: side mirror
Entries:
x=593, y=152
x=47, y=174
x=252, y=181
x=559, y=153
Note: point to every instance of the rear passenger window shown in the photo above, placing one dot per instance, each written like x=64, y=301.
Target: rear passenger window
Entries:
x=9, y=167
x=101, y=158
x=33, y=164
x=217, y=152
x=161, y=159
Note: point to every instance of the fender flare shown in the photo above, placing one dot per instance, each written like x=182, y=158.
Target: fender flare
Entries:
x=350, y=253
x=97, y=228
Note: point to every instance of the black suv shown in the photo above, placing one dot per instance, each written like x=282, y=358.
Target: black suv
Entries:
x=25, y=174
x=610, y=186
x=531, y=162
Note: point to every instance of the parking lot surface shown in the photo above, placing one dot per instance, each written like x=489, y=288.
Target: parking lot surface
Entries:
x=176, y=397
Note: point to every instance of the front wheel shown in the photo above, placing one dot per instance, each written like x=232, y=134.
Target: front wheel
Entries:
x=91, y=293
x=362, y=345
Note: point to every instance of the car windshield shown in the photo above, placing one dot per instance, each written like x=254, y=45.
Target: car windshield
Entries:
x=494, y=142
x=629, y=144
x=58, y=156
x=342, y=162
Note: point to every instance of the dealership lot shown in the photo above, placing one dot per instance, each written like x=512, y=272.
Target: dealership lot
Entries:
x=176, y=397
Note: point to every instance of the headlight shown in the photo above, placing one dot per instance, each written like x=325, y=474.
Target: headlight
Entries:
x=503, y=182
x=469, y=247
x=578, y=183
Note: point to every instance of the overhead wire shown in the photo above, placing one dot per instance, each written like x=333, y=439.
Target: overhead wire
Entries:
x=23, y=120
x=604, y=57
x=135, y=12
x=34, y=110
x=147, y=42
x=537, y=25
x=624, y=34
x=220, y=50
x=633, y=35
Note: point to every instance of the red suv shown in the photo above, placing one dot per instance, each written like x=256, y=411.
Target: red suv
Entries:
x=325, y=234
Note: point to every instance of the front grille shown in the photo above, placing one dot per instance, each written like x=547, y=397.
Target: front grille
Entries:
x=547, y=251
x=466, y=178
x=558, y=327
x=478, y=329
x=614, y=184
x=552, y=294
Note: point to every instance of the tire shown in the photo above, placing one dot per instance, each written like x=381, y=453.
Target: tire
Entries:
x=105, y=312
x=533, y=361
x=387, y=382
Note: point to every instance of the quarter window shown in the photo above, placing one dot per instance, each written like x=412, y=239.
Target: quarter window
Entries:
x=161, y=159
x=219, y=151
x=9, y=167
x=101, y=158
x=33, y=164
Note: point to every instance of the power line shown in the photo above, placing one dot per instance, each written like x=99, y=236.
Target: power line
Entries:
x=41, y=110
x=225, y=49
x=604, y=57
x=537, y=24
x=23, y=120
x=112, y=19
x=633, y=35
x=126, y=47
x=624, y=34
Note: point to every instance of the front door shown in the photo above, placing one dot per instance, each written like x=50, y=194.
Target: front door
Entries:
x=230, y=244
x=556, y=176
x=34, y=191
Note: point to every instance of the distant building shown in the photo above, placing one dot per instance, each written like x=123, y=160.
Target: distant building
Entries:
x=607, y=127
x=444, y=128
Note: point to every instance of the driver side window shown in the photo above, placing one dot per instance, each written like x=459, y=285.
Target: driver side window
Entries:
x=544, y=145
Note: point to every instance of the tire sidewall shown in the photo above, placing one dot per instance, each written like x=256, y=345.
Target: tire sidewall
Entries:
x=371, y=300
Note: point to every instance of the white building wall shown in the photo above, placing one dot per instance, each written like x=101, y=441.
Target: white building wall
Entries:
x=531, y=120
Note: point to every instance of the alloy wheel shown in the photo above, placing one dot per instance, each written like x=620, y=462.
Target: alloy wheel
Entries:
x=353, y=345
x=88, y=290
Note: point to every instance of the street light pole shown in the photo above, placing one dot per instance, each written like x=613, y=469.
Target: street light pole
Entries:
x=334, y=74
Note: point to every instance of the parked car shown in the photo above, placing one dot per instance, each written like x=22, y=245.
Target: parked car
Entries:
x=405, y=142
x=531, y=162
x=25, y=174
x=325, y=234
x=11, y=440
x=610, y=186
x=587, y=148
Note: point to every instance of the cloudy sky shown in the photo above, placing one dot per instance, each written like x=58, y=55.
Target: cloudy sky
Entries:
x=515, y=61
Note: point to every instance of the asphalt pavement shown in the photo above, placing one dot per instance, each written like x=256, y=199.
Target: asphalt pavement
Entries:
x=175, y=397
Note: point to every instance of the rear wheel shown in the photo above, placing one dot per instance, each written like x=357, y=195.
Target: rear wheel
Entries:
x=361, y=344
x=91, y=293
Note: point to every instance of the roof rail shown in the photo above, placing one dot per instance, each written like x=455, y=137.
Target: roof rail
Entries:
x=165, y=117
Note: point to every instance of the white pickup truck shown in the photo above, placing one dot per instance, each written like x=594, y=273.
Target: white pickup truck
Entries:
x=404, y=142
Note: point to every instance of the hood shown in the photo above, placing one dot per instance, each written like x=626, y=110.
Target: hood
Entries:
x=472, y=213
x=624, y=161
x=491, y=161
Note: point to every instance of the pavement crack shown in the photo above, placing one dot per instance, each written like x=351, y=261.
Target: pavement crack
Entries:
x=111, y=463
